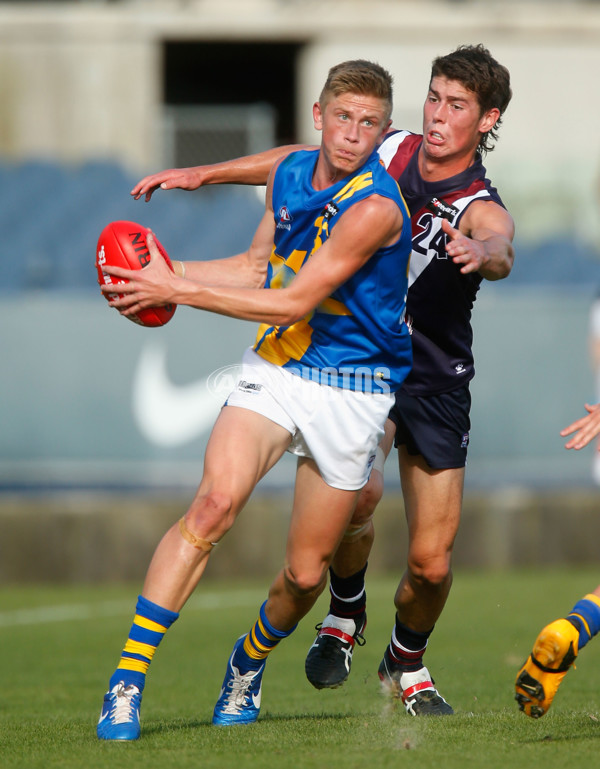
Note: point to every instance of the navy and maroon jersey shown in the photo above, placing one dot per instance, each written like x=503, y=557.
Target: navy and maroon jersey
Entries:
x=440, y=298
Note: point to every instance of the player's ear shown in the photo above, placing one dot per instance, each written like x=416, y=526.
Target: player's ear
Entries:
x=489, y=120
x=317, y=116
x=385, y=130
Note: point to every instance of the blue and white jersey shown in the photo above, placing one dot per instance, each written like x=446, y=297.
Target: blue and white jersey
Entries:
x=357, y=337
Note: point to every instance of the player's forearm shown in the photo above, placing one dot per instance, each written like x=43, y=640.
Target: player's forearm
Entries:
x=252, y=169
x=277, y=307
x=237, y=270
x=498, y=259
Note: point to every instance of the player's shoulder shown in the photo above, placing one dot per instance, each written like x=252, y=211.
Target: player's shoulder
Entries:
x=486, y=212
x=296, y=159
x=376, y=212
x=398, y=142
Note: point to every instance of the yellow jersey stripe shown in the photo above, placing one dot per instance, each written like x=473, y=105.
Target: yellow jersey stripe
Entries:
x=355, y=184
x=333, y=307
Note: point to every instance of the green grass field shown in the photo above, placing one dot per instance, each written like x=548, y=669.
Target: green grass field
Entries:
x=60, y=645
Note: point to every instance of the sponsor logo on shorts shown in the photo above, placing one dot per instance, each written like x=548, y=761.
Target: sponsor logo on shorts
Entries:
x=465, y=441
x=249, y=387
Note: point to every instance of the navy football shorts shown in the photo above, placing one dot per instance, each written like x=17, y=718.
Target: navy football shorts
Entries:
x=434, y=426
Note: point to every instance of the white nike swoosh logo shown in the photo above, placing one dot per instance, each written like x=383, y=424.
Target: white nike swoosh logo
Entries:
x=171, y=415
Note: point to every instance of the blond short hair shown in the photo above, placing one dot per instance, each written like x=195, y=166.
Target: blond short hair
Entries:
x=361, y=77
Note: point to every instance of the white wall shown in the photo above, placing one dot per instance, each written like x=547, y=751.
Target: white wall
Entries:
x=79, y=80
x=547, y=160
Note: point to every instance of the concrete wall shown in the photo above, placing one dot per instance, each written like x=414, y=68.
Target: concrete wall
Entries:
x=91, y=538
x=89, y=399
x=80, y=80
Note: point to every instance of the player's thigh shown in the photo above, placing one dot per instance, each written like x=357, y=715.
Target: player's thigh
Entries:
x=320, y=516
x=243, y=446
x=433, y=502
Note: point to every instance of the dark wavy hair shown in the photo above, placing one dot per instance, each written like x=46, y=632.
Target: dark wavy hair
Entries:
x=477, y=70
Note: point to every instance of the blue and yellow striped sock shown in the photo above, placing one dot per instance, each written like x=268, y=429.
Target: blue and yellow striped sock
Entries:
x=585, y=615
x=259, y=643
x=150, y=624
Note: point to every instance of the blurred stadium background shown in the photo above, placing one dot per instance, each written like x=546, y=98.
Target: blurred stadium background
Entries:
x=96, y=95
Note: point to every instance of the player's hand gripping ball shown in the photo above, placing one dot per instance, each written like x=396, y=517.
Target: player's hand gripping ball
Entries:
x=123, y=244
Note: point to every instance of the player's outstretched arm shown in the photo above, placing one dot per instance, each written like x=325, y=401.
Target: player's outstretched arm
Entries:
x=585, y=429
x=157, y=285
x=252, y=169
x=375, y=222
x=483, y=242
x=369, y=225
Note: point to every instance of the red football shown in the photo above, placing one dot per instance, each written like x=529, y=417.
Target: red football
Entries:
x=123, y=244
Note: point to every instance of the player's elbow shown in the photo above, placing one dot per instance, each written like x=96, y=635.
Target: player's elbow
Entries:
x=291, y=309
x=287, y=319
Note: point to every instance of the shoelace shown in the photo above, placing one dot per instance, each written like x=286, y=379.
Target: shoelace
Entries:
x=239, y=685
x=123, y=704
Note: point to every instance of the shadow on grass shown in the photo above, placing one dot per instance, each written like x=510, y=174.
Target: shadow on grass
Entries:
x=192, y=724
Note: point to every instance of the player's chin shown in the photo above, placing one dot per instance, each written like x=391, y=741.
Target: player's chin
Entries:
x=347, y=164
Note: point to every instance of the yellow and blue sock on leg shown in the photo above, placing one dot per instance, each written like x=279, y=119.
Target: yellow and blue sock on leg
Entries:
x=150, y=624
x=585, y=615
x=259, y=643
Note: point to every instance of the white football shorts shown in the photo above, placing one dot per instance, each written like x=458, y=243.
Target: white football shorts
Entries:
x=338, y=428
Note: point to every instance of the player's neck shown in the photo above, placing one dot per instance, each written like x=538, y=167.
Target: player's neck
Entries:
x=326, y=175
x=434, y=169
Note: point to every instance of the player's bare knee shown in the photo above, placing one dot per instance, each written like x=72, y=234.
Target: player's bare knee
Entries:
x=303, y=582
x=368, y=499
x=359, y=530
x=210, y=515
x=432, y=571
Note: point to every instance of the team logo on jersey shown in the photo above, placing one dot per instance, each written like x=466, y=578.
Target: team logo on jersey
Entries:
x=330, y=211
x=442, y=209
x=460, y=368
x=285, y=218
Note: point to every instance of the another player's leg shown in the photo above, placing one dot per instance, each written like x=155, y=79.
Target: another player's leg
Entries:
x=182, y=555
x=433, y=500
x=329, y=659
x=554, y=652
x=311, y=542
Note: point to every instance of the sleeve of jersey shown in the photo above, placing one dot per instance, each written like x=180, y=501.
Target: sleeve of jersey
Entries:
x=390, y=145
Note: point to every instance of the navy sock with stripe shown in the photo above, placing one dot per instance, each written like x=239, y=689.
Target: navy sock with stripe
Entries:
x=408, y=646
x=348, y=595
